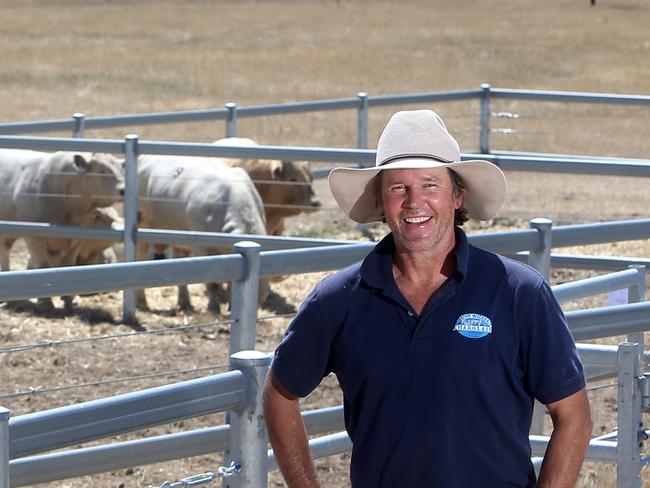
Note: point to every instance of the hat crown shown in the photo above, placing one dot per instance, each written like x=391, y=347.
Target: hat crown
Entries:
x=416, y=133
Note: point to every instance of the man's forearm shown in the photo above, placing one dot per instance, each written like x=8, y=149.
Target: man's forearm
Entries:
x=568, y=444
x=288, y=438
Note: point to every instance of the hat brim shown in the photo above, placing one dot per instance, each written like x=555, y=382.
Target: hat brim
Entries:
x=355, y=192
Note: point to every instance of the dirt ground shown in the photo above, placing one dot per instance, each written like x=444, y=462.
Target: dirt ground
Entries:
x=44, y=376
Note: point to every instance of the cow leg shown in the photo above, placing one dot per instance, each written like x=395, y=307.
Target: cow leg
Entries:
x=140, y=297
x=5, y=252
x=212, y=290
x=39, y=258
x=184, y=302
x=70, y=259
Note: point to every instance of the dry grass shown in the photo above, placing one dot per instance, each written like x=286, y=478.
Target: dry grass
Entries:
x=112, y=57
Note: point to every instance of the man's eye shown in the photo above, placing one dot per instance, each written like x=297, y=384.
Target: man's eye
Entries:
x=397, y=188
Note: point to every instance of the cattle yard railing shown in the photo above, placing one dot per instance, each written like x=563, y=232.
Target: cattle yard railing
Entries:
x=131, y=147
x=24, y=437
x=78, y=123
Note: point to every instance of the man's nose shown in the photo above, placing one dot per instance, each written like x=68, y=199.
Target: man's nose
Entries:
x=413, y=198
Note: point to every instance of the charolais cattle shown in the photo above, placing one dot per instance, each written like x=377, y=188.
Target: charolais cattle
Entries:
x=285, y=186
x=58, y=188
x=199, y=194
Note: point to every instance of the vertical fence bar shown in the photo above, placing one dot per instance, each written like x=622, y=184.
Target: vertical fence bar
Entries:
x=244, y=299
x=231, y=120
x=484, y=143
x=79, y=125
x=130, y=219
x=4, y=447
x=540, y=259
x=362, y=121
x=248, y=438
x=628, y=466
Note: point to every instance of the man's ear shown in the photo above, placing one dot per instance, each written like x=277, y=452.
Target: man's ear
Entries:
x=459, y=198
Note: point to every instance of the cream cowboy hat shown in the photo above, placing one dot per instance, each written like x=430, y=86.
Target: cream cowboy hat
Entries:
x=418, y=139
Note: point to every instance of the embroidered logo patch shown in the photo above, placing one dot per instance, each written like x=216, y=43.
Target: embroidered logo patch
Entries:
x=473, y=325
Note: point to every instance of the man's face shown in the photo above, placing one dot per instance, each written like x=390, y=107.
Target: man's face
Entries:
x=419, y=207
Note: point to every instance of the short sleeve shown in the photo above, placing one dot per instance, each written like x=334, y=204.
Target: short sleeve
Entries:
x=302, y=358
x=551, y=363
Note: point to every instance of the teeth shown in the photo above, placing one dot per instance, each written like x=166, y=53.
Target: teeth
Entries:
x=416, y=220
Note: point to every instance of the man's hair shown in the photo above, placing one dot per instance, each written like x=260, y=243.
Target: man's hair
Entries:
x=458, y=188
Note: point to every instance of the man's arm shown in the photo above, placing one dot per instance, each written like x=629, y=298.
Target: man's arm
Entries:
x=287, y=435
x=568, y=445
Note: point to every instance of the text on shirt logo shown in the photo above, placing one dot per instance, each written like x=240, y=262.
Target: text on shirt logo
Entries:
x=473, y=325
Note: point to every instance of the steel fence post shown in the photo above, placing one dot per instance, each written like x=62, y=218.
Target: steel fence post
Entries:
x=540, y=259
x=231, y=120
x=244, y=299
x=635, y=294
x=79, y=125
x=628, y=466
x=4, y=447
x=362, y=121
x=130, y=220
x=248, y=437
x=484, y=143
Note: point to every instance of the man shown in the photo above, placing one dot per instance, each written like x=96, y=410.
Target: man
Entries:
x=440, y=348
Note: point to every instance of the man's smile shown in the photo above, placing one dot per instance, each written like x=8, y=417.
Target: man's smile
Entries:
x=416, y=220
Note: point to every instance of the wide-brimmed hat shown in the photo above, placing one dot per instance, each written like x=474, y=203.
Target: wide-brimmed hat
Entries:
x=418, y=139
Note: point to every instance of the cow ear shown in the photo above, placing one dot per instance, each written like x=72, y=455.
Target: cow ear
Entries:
x=80, y=162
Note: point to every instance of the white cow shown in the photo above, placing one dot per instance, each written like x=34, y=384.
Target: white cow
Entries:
x=60, y=188
x=285, y=186
x=200, y=194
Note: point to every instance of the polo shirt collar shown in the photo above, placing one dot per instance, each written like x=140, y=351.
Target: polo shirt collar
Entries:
x=377, y=270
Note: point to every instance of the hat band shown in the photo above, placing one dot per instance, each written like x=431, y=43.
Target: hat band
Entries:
x=398, y=157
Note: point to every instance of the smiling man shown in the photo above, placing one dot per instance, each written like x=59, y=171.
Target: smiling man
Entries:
x=440, y=348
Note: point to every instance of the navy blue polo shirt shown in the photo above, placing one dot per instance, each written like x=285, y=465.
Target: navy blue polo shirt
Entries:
x=443, y=399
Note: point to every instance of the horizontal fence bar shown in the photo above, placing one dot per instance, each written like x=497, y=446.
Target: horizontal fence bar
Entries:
x=96, y=419
x=603, y=451
x=323, y=420
x=620, y=167
x=507, y=242
x=598, y=233
x=595, y=323
x=598, y=354
x=560, y=96
x=285, y=262
x=595, y=263
x=596, y=285
x=311, y=154
x=119, y=455
x=62, y=144
x=320, y=447
x=159, y=236
x=73, y=280
x=110, y=457
x=379, y=101
x=41, y=229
